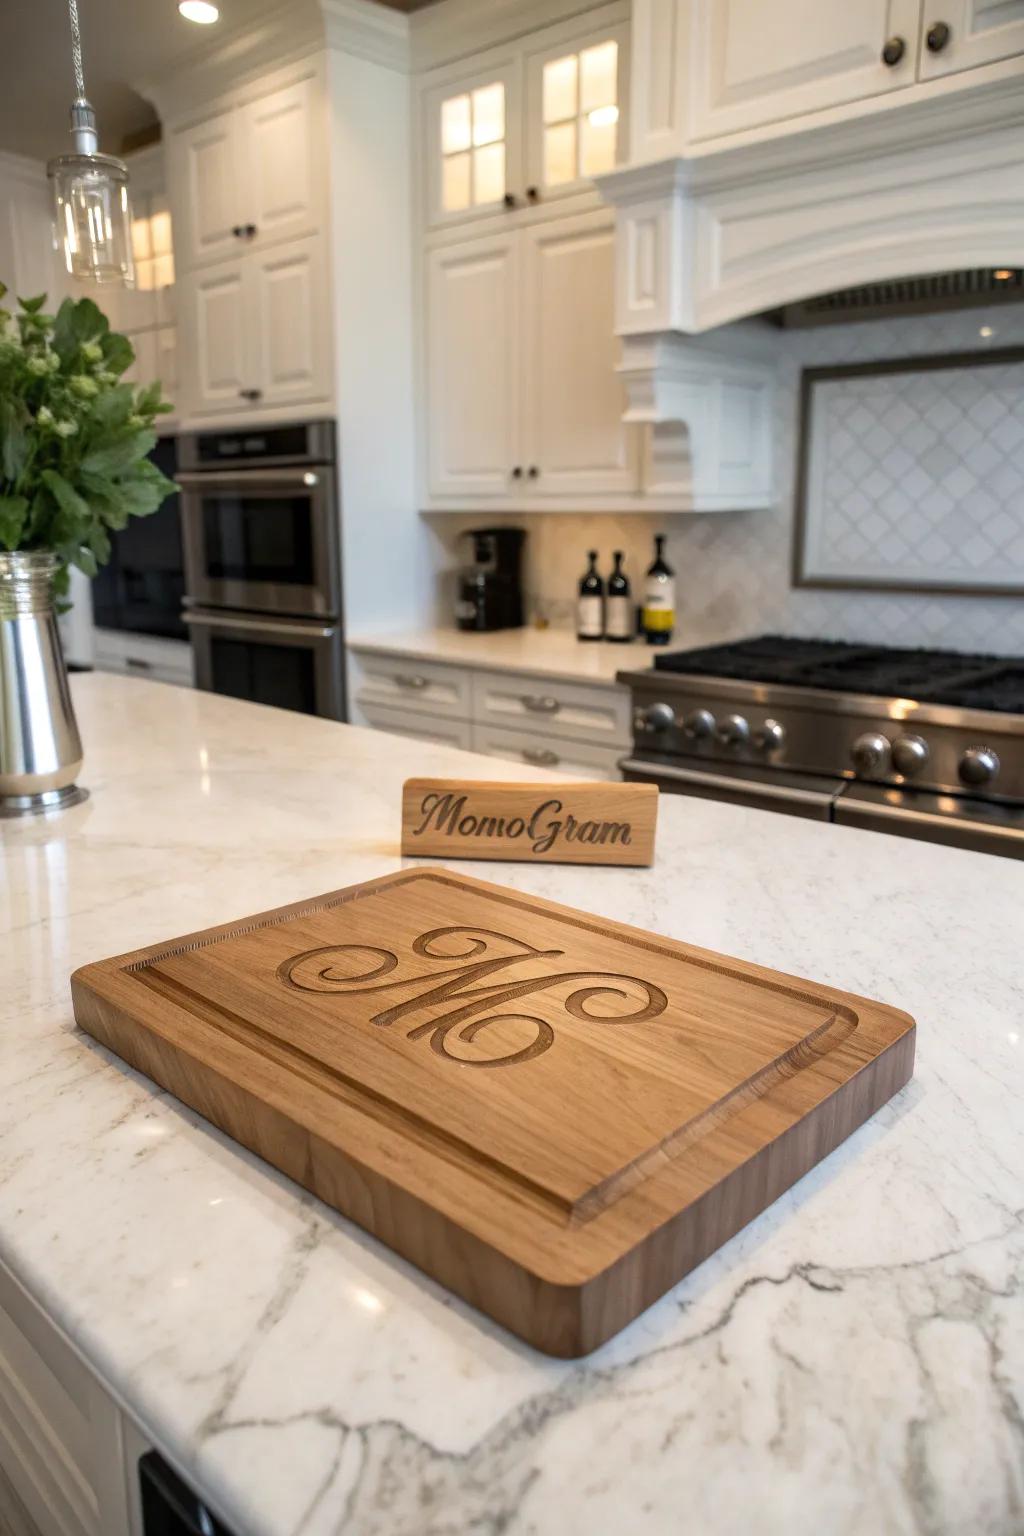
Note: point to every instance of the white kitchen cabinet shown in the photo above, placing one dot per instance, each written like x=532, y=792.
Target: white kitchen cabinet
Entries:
x=575, y=441
x=218, y=362
x=420, y=726
x=281, y=138
x=473, y=144
x=581, y=759
x=576, y=114
x=756, y=64
x=521, y=397
x=536, y=118
x=400, y=682
x=473, y=344
x=286, y=315
x=61, y=1436
x=255, y=331
x=964, y=34
x=248, y=177
x=209, y=185
x=595, y=714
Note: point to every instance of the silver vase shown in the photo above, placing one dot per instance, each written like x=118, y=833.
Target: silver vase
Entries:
x=40, y=748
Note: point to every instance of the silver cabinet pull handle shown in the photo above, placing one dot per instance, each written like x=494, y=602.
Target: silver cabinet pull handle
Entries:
x=541, y=757
x=410, y=680
x=540, y=704
x=138, y=663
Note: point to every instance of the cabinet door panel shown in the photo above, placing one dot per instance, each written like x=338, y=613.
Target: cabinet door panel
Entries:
x=420, y=727
x=576, y=110
x=205, y=164
x=216, y=342
x=278, y=135
x=288, y=315
x=757, y=63
x=473, y=366
x=472, y=133
x=574, y=435
x=980, y=32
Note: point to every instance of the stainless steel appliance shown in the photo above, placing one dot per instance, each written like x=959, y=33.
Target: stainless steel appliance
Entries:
x=169, y=1507
x=261, y=528
x=926, y=744
x=490, y=586
x=141, y=589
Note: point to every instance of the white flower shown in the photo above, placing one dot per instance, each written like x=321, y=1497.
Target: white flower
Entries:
x=44, y=416
x=65, y=428
x=83, y=386
x=92, y=352
x=38, y=366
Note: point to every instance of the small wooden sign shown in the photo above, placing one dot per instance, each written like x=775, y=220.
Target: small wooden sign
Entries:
x=589, y=823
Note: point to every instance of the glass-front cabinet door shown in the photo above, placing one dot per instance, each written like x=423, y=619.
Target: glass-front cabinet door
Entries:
x=576, y=111
x=473, y=143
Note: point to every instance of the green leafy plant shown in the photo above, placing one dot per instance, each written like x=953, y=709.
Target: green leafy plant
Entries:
x=73, y=437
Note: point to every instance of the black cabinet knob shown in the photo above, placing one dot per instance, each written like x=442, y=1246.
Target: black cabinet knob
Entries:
x=893, y=51
x=237, y=231
x=938, y=36
x=249, y=231
x=517, y=473
x=533, y=471
x=509, y=199
x=533, y=193
x=250, y=394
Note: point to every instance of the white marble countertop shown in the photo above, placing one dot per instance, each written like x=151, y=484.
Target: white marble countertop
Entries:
x=851, y=1364
x=538, y=652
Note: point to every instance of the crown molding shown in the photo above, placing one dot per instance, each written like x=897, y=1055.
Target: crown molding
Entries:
x=369, y=31
x=440, y=34
x=282, y=32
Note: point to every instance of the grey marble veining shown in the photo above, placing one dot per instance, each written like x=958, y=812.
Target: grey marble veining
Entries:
x=852, y=1363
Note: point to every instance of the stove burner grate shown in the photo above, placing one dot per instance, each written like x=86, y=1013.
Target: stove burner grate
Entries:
x=934, y=677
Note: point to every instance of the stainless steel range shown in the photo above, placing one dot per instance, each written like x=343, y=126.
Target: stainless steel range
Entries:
x=926, y=744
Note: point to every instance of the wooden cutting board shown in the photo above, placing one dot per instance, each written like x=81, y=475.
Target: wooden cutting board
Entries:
x=555, y=1115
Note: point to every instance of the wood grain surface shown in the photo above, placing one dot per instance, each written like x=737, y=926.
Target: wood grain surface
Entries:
x=587, y=823
x=554, y=1114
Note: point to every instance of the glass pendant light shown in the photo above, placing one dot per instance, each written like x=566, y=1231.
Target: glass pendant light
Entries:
x=91, y=208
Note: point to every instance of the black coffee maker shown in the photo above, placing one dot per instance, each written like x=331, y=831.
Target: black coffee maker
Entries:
x=490, y=590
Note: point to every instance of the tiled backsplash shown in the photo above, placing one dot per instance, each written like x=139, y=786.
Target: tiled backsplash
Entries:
x=733, y=568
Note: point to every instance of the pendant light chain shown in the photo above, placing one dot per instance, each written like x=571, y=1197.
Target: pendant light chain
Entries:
x=76, y=49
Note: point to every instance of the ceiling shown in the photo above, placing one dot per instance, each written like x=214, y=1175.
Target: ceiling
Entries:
x=122, y=40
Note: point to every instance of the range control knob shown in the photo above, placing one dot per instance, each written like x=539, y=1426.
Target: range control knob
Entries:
x=699, y=723
x=870, y=753
x=734, y=731
x=909, y=755
x=771, y=736
x=659, y=717
x=978, y=766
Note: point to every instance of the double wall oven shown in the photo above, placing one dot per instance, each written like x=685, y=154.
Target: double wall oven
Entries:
x=261, y=529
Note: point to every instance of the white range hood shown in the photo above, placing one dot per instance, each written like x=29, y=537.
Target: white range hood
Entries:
x=734, y=227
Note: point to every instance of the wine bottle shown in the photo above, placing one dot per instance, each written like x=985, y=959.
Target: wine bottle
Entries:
x=590, y=603
x=659, y=611
x=619, y=619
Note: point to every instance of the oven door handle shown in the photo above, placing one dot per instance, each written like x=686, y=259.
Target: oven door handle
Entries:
x=261, y=626
x=249, y=479
x=700, y=777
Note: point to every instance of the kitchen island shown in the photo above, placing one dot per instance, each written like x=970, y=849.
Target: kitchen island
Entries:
x=852, y=1362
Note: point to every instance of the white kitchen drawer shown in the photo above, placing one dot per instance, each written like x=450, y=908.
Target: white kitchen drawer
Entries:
x=402, y=682
x=598, y=716
x=536, y=750
x=152, y=656
x=422, y=727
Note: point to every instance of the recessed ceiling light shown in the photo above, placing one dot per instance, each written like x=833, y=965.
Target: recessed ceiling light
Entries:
x=601, y=117
x=199, y=10
x=985, y=332
x=1002, y=274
